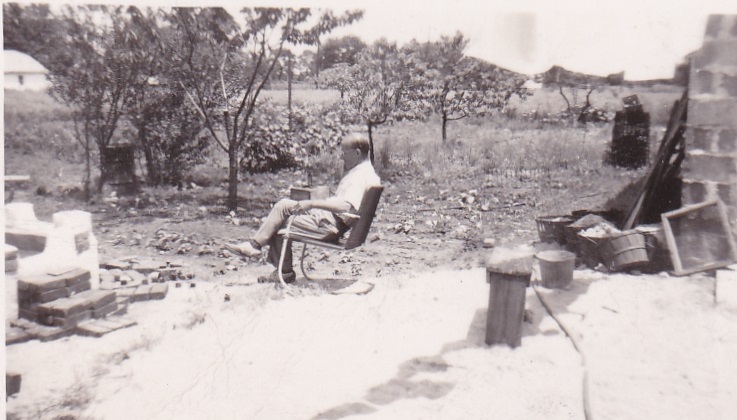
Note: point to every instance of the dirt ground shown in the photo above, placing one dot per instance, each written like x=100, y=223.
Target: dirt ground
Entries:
x=654, y=346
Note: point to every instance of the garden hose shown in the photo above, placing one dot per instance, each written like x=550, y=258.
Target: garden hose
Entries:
x=586, y=402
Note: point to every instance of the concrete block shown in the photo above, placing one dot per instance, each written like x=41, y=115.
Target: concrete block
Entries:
x=122, y=299
x=29, y=241
x=722, y=52
x=115, y=264
x=71, y=275
x=712, y=111
x=66, y=307
x=71, y=321
x=727, y=141
x=12, y=383
x=159, y=291
x=81, y=241
x=40, y=283
x=79, y=287
x=698, y=138
x=701, y=82
x=708, y=167
x=726, y=291
x=146, y=267
x=105, y=310
x=122, y=310
x=141, y=293
x=97, y=298
x=11, y=266
x=53, y=295
x=47, y=333
x=29, y=313
x=15, y=335
x=125, y=292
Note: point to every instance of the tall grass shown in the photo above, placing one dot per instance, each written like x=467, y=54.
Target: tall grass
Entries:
x=490, y=146
x=657, y=100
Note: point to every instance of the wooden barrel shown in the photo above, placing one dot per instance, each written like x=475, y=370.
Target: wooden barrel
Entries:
x=625, y=251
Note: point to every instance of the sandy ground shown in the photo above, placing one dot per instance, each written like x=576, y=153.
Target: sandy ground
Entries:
x=655, y=347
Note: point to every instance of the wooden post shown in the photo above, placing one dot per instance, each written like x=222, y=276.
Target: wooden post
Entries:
x=508, y=282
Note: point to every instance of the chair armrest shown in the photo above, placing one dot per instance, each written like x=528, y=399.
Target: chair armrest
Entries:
x=349, y=216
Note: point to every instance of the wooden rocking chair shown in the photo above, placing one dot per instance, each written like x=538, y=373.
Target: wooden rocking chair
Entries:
x=357, y=235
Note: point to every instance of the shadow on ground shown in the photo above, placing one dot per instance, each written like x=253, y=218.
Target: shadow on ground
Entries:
x=404, y=386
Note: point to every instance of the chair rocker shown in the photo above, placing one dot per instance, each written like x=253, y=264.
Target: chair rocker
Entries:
x=357, y=234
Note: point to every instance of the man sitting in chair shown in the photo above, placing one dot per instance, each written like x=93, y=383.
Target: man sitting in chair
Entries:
x=318, y=218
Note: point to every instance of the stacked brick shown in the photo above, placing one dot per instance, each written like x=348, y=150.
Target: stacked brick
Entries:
x=710, y=167
x=63, y=299
x=34, y=291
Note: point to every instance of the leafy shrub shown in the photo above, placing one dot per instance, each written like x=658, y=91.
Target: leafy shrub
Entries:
x=272, y=146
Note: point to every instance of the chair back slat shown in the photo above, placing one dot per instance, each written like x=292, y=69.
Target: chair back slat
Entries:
x=366, y=212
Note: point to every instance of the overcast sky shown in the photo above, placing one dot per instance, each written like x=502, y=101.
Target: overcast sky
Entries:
x=643, y=38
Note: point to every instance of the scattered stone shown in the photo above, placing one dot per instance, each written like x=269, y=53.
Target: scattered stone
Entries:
x=147, y=267
x=153, y=277
x=158, y=291
x=115, y=264
x=15, y=335
x=192, y=285
x=227, y=297
x=489, y=243
x=141, y=293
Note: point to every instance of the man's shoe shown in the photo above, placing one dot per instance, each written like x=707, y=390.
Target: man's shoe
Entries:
x=244, y=249
x=289, y=277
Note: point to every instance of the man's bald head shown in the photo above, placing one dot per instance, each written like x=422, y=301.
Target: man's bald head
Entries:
x=356, y=141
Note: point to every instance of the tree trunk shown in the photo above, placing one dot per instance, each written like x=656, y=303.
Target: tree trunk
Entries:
x=152, y=169
x=445, y=124
x=101, y=181
x=371, y=142
x=317, y=64
x=232, y=176
x=88, y=171
x=289, y=95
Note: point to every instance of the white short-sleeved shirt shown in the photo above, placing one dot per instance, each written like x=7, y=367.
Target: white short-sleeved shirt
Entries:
x=355, y=183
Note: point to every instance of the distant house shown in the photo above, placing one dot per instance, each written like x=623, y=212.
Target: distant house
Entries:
x=23, y=72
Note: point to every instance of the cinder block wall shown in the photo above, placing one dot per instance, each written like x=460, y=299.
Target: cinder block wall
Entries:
x=710, y=167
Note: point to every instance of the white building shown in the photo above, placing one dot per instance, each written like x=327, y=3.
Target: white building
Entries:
x=23, y=72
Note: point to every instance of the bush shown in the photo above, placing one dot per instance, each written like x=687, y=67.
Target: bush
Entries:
x=271, y=146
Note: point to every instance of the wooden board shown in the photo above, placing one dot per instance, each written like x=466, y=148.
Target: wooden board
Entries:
x=699, y=238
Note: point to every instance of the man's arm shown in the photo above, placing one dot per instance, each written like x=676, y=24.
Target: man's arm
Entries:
x=332, y=204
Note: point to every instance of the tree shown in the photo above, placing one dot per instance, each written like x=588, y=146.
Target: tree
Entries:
x=327, y=24
x=223, y=66
x=340, y=50
x=455, y=86
x=378, y=88
x=103, y=64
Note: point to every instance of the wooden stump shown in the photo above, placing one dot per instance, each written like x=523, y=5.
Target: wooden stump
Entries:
x=508, y=282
